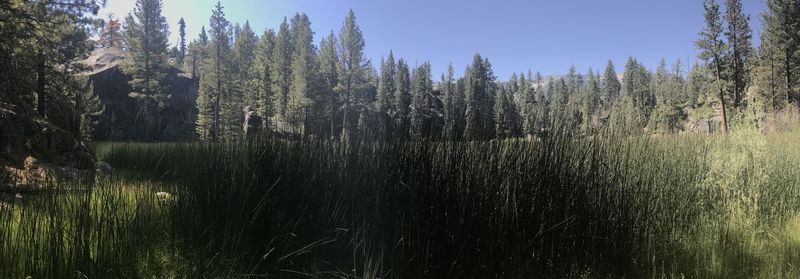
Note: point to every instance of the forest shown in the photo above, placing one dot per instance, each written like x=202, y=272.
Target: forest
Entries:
x=286, y=153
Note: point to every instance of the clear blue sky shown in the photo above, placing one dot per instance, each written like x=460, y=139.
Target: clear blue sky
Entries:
x=516, y=35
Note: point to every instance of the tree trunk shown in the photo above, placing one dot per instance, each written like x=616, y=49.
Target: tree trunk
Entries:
x=217, y=102
x=722, y=100
x=345, y=123
x=76, y=122
x=40, y=85
x=333, y=113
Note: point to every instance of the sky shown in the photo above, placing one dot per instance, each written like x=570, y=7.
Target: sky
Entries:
x=516, y=35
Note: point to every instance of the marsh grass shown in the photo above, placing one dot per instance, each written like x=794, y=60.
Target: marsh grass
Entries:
x=601, y=207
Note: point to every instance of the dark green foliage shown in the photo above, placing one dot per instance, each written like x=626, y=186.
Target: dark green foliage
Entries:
x=329, y=80
x=280, y=70
x=181, y=42
x=302, y=109
x=506, y=119
x=384, y=104
x=146, y=63
x=402, y=99
x=480, y=90
x=637, y=88
x=611, y=85
x=353, y=68
x=421, y=114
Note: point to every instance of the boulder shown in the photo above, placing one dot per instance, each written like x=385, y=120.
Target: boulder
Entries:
x=122, y=119
x=35, y=154
x=104, y=169
x=252, y=122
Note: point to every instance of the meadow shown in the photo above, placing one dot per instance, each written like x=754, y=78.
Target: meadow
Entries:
x=609, y=206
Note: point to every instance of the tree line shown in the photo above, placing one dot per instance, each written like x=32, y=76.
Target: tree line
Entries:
x=332, y=90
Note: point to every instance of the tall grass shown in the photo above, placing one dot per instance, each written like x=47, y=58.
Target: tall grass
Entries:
x=605, y=206
x=602, y=207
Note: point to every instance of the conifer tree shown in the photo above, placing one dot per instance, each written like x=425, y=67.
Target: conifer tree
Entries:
x=200, y=64
x=181, y=41
x=146, y=62
x=281, y=70
x=218, y=68
x=386, y=89
x=243, y=83
x=637, y=88
x=329, y=75
x=505, y=117
x=697, y=85
x=782, y=45
x=739, y=40
x=301, y=105
x=353, y=67
x=110, y=35
x=264, y=98
x=611, y=85
x=590, y=100
x=480, y=87
x=451, y=110
x=422, y=87
x=713, y=51
x=402, y=98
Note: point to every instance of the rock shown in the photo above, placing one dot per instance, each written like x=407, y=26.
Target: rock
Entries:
x=103, y=169
x=35, y=154
x=252, y=122
x=164, y=196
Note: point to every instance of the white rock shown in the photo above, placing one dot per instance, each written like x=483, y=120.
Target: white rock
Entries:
x=164, y=196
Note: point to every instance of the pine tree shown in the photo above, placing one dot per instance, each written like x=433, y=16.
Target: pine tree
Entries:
x=281, y=70
x=611, y=85
x=590, y=100
x=300, y=105
x=386, y=89
x=219, y=68
x=697, y=85
x=181, y=41
x=353, y=66
x=451, y=103
x=146, y=62
x=264, y=98
x=329, y=61
x=505, y=116
x=422, y=87
x=480, y=87
x=402, y=99
x=781, y=22
x=637, y=88
x=530, y=105
x=766, y=79
x=739, y=39
x=243, y=84
x=713, y=51
x=110, y=34
x=205, y=96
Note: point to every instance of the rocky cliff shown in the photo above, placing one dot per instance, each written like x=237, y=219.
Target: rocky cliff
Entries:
x=122, y=120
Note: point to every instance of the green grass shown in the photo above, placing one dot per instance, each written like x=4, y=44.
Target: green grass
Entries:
x=602, y=207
